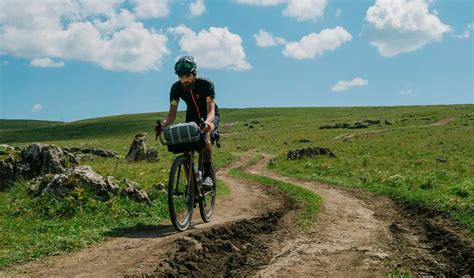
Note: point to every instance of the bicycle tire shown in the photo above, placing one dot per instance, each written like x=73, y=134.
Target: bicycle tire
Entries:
x=207, y=203
x=180, y=194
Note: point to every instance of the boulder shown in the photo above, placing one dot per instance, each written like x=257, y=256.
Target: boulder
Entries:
x=44, y=159
x=132, y=190
x=87, y=176
x=359, y=125
x=152, y=155
x=372, y=122
x=309, y=152
x=7, y=171
x=61, y=184
x=137, y=150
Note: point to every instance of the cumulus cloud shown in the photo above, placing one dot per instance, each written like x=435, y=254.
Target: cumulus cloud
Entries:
x=37, y=107
x=305, y=9
x=151, y=8
x=344, y=85
x=315, y=44
x=261, y=2
x=197, y=8
x=94, y=7
x=215, y=48
x=265, y=39
x=46, y=63
x=403, y=26
x=66, y=30
x=467, y=32
x=300, y=9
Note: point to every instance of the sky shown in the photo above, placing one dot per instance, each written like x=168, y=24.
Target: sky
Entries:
x=74, y=59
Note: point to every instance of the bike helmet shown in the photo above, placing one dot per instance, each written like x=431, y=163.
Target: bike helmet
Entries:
x=185, y=65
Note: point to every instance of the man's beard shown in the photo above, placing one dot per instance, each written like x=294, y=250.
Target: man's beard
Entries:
x=187, y=86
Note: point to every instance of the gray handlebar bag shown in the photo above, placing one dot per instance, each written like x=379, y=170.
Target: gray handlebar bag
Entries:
x=183, y=137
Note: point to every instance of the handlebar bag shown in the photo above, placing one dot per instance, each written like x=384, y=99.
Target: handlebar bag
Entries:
x=183, y=137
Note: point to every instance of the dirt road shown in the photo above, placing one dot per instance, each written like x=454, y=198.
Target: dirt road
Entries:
x=253, y=234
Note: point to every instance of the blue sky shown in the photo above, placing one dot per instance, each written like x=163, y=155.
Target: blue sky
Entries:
x=75, y=59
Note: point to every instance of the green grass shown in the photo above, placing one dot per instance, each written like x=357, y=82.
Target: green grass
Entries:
x=400, y=162
x=24, y=124
x=36, y=227
x=308, y=202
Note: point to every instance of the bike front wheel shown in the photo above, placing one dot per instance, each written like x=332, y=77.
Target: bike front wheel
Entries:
x=206, y=204
x=180, y=194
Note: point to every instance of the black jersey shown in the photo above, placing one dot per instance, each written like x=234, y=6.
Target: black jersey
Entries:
x=196, y=99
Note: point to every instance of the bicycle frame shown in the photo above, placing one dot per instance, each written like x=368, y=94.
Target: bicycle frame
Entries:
x=190, y=157
x=198, y=187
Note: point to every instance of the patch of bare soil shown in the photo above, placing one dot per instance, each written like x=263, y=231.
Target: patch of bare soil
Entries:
x=253, y=234
x=139, y=249
x=367, y=235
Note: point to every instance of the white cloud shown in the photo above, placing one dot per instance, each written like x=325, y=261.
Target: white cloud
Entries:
x=261, y=2
x=305, y=9
x=300, y=9
x=403, y=26
x=37, y=107
x=197, y=8
x=467, y=32
x=59, y=29
x=344, y=85
x=338, y=13
x=150, y=8
x=94, y=7
x=215, y=48
x=264, y=39
x=314, y=44
x=46, y=63
x=280, y=40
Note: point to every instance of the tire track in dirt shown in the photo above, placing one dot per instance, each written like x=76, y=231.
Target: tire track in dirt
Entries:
x=253, y=234
x=366, y=235
x=141, y=250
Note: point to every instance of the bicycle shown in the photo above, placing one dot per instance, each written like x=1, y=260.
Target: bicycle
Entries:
x=185, y=194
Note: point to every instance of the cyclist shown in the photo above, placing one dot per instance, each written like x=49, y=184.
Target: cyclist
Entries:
x=198, y=94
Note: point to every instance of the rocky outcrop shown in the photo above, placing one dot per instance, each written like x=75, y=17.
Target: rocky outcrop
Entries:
x=152, y=155
x=81, y=176
x=132, y=191
x=44, y=159
x=309, y=152
x=56, y=172
x=33, y=161
x=363, y=124
x=7, y=171
x=137, y=150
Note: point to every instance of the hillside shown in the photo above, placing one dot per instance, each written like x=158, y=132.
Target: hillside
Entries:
x=419, y=156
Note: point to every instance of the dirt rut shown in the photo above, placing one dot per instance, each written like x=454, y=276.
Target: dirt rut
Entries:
x=357, y=234
x=366, y=235
x=138, y=252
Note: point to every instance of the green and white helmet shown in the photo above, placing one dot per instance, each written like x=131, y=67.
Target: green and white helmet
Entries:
x=185, y=65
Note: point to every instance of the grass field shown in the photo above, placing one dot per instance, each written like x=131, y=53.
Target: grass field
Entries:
x=424, y=157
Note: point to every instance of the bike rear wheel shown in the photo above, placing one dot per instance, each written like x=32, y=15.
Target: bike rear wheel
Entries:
x=180, y=194
x=206, y=204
